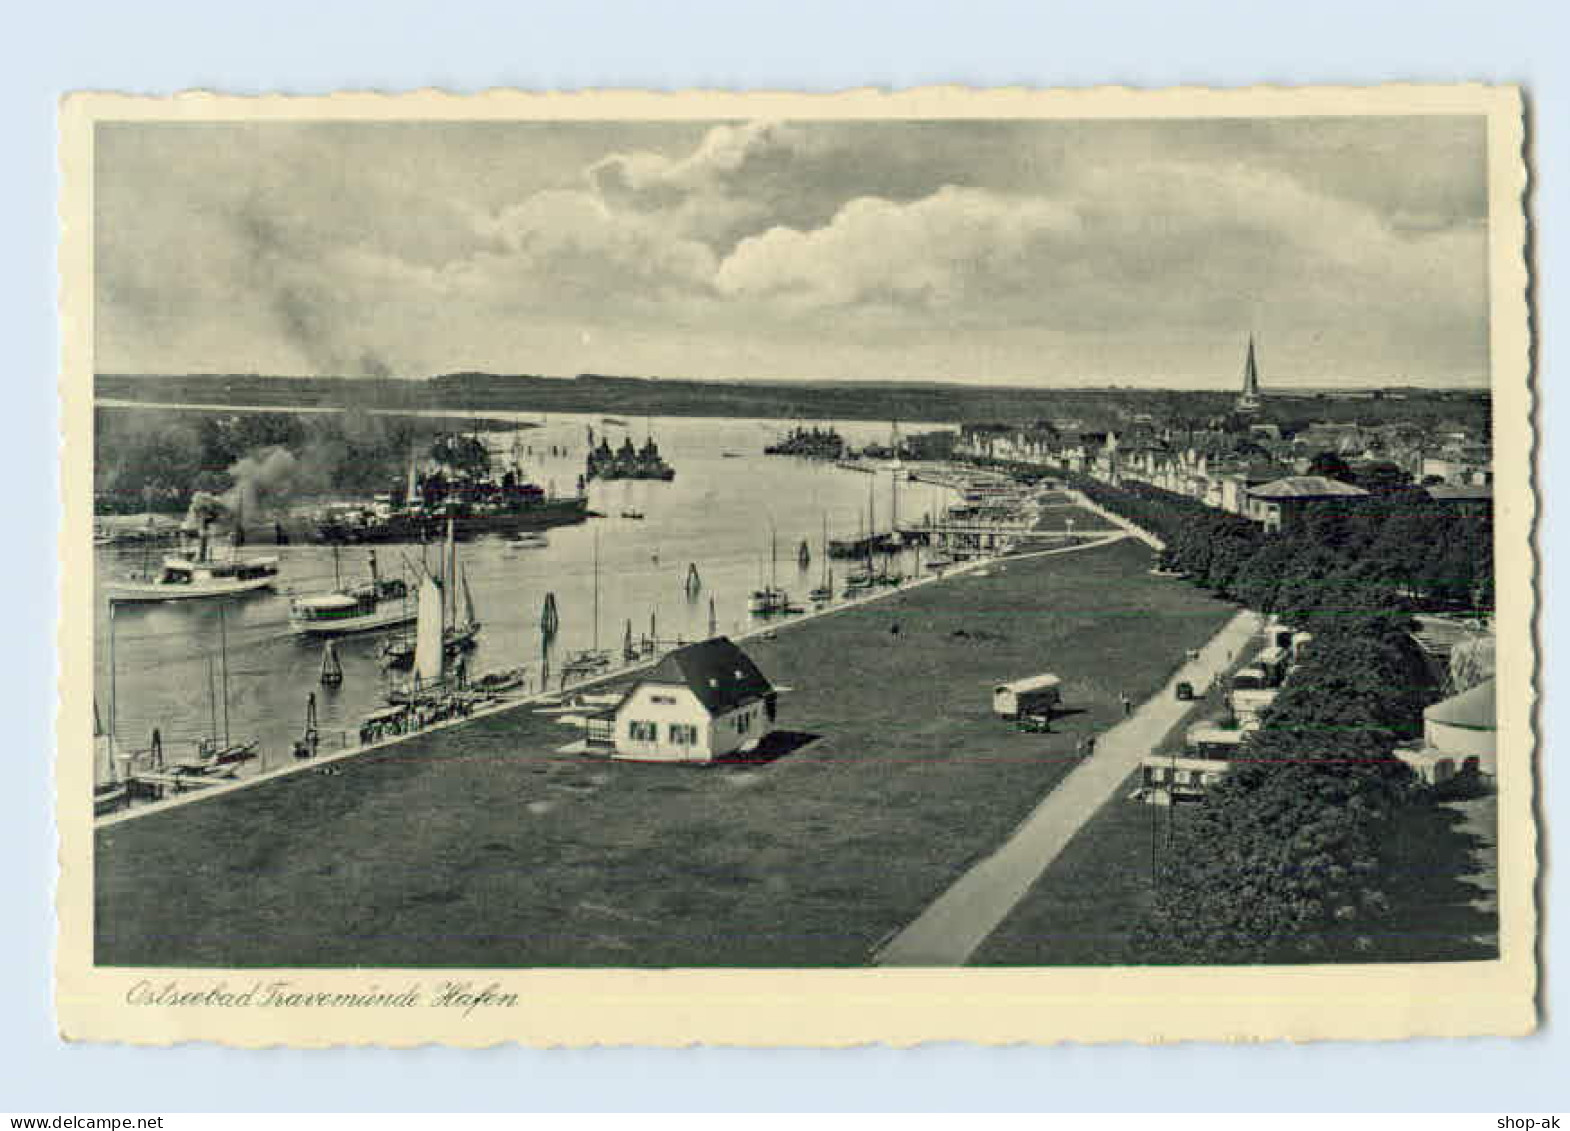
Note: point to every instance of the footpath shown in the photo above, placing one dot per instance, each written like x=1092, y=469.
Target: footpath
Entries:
x=1117, y=520
x=955, y=925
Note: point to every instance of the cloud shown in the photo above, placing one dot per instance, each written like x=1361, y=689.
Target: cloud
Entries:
x=954, y=246
x=834, y=245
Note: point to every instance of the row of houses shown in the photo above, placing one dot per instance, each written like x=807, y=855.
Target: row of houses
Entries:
x=1258, y=476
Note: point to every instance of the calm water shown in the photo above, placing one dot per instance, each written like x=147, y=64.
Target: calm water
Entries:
x=716, y=514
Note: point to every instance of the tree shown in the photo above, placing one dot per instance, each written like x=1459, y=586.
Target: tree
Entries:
x=1383, y=478
x=1331, y=466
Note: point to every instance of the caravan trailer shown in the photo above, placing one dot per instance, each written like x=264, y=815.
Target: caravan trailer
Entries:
x=1273, y=662
x=1037, y=694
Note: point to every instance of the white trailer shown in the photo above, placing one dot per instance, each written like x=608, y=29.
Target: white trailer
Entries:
x=1027, y=696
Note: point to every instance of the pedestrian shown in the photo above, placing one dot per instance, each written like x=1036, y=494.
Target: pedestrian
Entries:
x=1128, y=704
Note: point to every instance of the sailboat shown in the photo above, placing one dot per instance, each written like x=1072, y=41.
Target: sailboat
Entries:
x=590, y=661
x=456, y=636
x=217, y=754
x=769, y=600
x=824, y=593
x=112, y=791
x=428, y=656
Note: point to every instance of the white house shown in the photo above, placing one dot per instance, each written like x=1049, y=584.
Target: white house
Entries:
x=699, y=703
x=1459, y=737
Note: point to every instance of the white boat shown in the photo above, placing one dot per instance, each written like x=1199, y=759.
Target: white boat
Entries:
x=381, y=602
x=526, y=541
x=185, y=578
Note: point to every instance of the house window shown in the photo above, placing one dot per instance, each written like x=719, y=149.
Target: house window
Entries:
x=643, y=732
x=683, y=734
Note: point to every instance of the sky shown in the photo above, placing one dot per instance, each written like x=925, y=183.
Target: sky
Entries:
x=1035, y=253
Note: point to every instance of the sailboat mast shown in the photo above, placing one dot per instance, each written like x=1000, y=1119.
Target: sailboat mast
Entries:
x=825, y=547
x=223, y=661
x=111, y=692
x=212, y=699
x=450, y=580
x=596, y=590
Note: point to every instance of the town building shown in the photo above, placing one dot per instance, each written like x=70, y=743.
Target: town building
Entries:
x=1460, y=738
x=1280, y=505
x=699, y=703
x=1475, y=500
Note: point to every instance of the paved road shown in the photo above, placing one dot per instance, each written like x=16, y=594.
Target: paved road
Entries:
x=950, y=930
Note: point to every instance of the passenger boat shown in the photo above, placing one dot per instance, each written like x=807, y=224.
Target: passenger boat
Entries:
x=189, y=578
x=381, y=602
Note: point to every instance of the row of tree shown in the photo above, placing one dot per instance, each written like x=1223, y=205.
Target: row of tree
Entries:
x=1392, y=553
x=1282, y=862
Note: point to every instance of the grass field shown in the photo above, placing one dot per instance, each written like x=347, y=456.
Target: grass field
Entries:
x=482, y=846
x=1083, y=908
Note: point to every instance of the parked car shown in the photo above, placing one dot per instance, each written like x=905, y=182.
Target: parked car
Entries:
x=1185, y=691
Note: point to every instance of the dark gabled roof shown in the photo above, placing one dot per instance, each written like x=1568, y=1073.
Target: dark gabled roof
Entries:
x=721, y=675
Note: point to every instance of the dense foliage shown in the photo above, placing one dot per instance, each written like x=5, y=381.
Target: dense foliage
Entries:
x=163, y=457
x=1283, y=856
x=1385, y=553
x=1281, y=863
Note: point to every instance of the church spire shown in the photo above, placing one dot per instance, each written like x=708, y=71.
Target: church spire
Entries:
x=1249, y=400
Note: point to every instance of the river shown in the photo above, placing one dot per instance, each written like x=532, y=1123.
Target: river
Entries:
x=717, y=514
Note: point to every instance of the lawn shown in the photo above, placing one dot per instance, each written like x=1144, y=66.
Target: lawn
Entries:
x=484, y=846
x=1083, y=908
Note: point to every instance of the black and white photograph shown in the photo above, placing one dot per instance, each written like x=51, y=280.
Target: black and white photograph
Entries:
x=1087, y=539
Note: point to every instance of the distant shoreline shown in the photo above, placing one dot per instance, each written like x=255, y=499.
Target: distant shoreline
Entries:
x=475, y=394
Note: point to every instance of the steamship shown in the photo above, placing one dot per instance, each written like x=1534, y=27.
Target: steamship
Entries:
x=188, y=577
x=472, y=503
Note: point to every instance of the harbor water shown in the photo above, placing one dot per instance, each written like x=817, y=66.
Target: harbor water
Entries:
x=718, y=515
